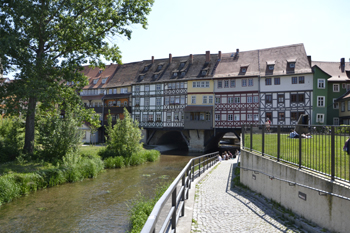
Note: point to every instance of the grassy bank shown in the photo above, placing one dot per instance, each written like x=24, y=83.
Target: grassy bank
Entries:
x=20, y=178
x=142, y=208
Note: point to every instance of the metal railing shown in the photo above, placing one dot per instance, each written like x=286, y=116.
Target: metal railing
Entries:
x=194, y=168
x=318, y=148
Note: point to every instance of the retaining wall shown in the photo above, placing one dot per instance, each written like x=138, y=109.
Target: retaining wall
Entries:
x=326, y=211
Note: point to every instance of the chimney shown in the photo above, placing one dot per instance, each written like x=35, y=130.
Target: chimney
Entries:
x=152, y=59
x=170, y=58
x=191, y=58
x=207, y=56
x=309, y=59
x=342, y=64
x=220, y=56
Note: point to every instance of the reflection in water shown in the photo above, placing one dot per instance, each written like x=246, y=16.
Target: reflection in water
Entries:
x=94, y=205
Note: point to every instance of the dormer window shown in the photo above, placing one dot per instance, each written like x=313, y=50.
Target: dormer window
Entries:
x=95, y=81
x=183, y=74
x=104, y=80
x=100, y=71
x=271, y=67
x=292, y=65
x=174, y=74
x=204, y=72
x=243, y=70
x=141, y=77
x=155, y=76
x=160, y=66
x=145, y=69
x=182, y=65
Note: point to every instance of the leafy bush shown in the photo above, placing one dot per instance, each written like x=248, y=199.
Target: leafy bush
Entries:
x=11, y=138
x=57, y=136
x=114, y=162
x=137, y=159
x=124, y=137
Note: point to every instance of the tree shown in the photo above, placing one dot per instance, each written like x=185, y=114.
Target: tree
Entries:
x=124, y=137
x=49, y=40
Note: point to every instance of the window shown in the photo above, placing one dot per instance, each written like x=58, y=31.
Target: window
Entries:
x=95, y=81
x=250, y=99
x=207, y=84
x=230, y=117
x=277, y=81
x=244, y=82
x=237, y=100
x=182, y=99
x=281, y=116
x=335, y=121
x=268, y=99
x=301, y=79
x=146, y=101
x=271, y=67
x=320, y=118
x=294, y=80
x=194, y=84
x=236, y=117
x=201, y=116
x=160, y=66
x=141, y=77
x=219, y=84
x=249, y=117
x=243, y=69
x=205, y=99
x=193, y=99
x=226, y=84
x=217, y=100
x=297, y=98
x=250, y=82
x=168, y=116
x=110, y=91
x=147, y=88
x=166, y=100
x=182, y=85
x=118, y=103
x=182, y=74
x=256, y=117
x=320, y=101
x=144, y=117
x=174, y=74
x=182, y=65
x=210, y=99
x=177, y=99
x=335, y=104
x=137, y=102
x=268, y=81
x=158, y=101
x=145, y=69
x=115, y=91
x=124, y=90
x=232, y=83
x=104, y=80
x=159, y=117
x=336, y=88
x=321, y=83
x=172, y=99
x=204, y=72
x=294, y=116
x=280, y=98
x=150, y=117
x=256, y=99
x=291, y=64
x=343, y=106
x=217, y=117
x=176, y=116
x=207, y=116
x=137, y=88
x=137, y=117
x=268, y=115
x=202, y=84
x=230, y=100
x=158, y=87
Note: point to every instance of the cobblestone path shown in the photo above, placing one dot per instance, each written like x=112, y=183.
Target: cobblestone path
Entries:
x=220, y=208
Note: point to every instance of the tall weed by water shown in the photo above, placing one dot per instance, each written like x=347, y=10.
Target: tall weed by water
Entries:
x=114, y=162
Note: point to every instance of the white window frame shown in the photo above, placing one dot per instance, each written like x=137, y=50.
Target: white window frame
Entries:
x=230, y=117
x=232, y=83
x=237, y=100
x=336, y=88
x=321, y=98
x=193, y=99
x=210, y=99
x=104, y=80
x=319, y=118
x=205, y=99
x=249, y=99
x=230, y=100
x=158, y=87
x=335, y=120
x=207, y=85
x=256, y=117
x=217, y=117
x=249, y=117
x=250, y=82
x=95, y=81
x=236, y=117
x=220, y=84
x=255, y=99
x=244, y=82
x=226, y=83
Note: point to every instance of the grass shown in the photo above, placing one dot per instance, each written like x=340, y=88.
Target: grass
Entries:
x=315, y=152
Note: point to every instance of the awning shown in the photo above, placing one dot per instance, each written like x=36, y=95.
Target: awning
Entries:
x=198, y=109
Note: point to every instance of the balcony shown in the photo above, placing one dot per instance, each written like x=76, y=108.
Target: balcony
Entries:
x=97, y=109
x=116, y=110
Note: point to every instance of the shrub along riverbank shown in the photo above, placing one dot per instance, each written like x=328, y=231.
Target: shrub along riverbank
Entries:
x=19, y=178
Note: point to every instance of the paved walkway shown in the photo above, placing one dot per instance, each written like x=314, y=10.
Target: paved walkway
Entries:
x=220, y=208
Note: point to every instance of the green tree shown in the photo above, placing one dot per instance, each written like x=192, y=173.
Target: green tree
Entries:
x=124, y=137
x=47, y=41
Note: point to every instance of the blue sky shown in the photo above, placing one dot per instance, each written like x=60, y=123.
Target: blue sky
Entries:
x=184, y=27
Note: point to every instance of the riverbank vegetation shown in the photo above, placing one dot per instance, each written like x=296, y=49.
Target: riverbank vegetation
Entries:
x=142, y=208
x=59, y=157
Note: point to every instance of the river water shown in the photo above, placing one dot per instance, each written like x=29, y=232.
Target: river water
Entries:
x=93, y=205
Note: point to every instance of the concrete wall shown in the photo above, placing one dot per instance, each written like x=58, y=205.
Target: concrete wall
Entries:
x=328, y=211
x=196, y=141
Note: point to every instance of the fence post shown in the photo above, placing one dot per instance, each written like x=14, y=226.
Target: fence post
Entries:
x=173, y=218
x=192, y=174
x=251, y=137
x=299, y=151
x=183, y=194
x=332, y=153
x=263, y=140
x=278, y=142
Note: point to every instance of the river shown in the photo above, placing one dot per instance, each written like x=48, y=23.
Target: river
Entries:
x=93, y=205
